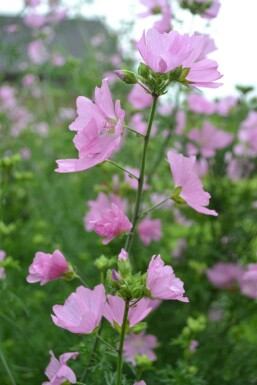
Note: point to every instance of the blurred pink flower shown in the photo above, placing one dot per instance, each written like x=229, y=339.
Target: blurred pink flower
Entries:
x=2, y=269
x=248, y=281
x=180, y=122
x=34, y=20
x=224, y=275
x=140, y=383
x=208, y=140
x=58, y=372
x=37, y=52
x=47, y=267
x=7, y=98
x=149, y=230
x=185, y=177
x=162, y=282
x=11, y=28
x=58, y=60
x=138, y=98
x=99, y=127
x=161, y=7
x=223, y=106
x=212, y=11
x=28, y=80
x=139, y=345
x=193, y=345
x=248, y=134
x=199, y=104
x=179, y=249
x=25, y=153
x=115, y=306
x=82, y=311
x=112, y=222
x=101, y=203
x=32, y=3
x=167, y=51
x=201, y=167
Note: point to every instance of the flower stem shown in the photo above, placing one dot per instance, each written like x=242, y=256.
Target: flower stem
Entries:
x=106, y=343
x=154, y=207
x=134, y=131
x=121, y=168
x=122, y=336
x=8, y=371
x=141, y=176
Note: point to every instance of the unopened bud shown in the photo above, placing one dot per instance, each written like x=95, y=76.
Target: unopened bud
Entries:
x=126, y=76
x=115, y=275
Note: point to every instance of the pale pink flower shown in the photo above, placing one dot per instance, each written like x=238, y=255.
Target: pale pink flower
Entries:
x=193, y=345
x=224, y=275
x=180, y=122
x=208, y=140
x=140, y=383
x=82, y=311
x=199, y=104
x=149, y=230
x=223, y=106
x=159, y=7
x=28, y=80
x=2, y=269
x=58, y=60
x=115, y=306
x=99, y=126
x=11, y=28
x=112, y=222
x=201, y=167
x=162, y=282
x=25, y=153
x=167, y=51
x=37, y=52
x=58, y=372
x=123, y=255
x=139, y=345
x=47, y=267
x=248, y=281
x=7, y=98
x=138, y=98
x=34, y=20
x=248, y=134
x=185, y=177
x=101, y=203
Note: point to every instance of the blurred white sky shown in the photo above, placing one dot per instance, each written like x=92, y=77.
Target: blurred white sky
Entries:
x=234, y=32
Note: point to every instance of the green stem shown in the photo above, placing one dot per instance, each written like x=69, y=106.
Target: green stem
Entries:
x=122, y=337
x=134, y=131
x=141, y=176
x=106, y=343
x=167, y=139
x=153, y=208
x=8, y=371
x=121, y=168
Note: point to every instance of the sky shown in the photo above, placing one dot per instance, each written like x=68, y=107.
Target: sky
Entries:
x=234, y=32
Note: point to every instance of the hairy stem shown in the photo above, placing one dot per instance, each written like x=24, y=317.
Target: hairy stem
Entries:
x=141, y=176
x=120, y=350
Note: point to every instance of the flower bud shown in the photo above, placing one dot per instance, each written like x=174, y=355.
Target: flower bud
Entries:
x=126, y=76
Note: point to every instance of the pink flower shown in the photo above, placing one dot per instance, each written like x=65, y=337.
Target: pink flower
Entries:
x=162, y=282
x=159, y=7
x=123, y=255
x=2, y=269
x=82, y=311
x=34, y=20
x=223, y=106
x=101, y=203
x=193, y=345
x=149, y=230
x=199, y=104
x=139, y=345
x=212, y=11
x=138, y=98
x=224, y=275
x=248, y=134
x=179, y=249
x=112, y=222
x=99, y=127
x=140, y=383
x=37, y=52
x=58, y=372
x=248, y=281
x=167, y=51
x=47, y=267
x=184, y=175
x=28, y=80
x=115, y=306
x=209, y=139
